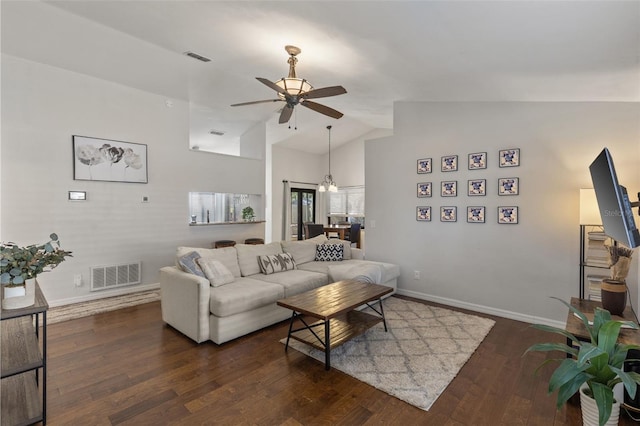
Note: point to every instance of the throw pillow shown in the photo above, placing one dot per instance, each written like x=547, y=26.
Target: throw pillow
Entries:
x=215, y=271
x=272, y=263
x=346, y=244
x=188, y=263
x=329, y=252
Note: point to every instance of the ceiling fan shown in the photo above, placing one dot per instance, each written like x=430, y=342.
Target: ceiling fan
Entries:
x=297, y=91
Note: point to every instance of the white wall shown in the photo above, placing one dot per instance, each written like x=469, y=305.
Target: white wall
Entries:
x=511, y=270
x=347, y=168
x=291, y=165
x=42, y=107
x=347, y=161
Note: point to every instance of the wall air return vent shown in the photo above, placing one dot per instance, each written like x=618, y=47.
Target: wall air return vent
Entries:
x=112, y=276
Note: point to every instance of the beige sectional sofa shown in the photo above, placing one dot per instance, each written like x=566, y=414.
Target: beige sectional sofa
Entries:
x=240, y=297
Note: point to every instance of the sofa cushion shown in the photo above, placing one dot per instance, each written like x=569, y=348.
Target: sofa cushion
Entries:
x=188, y=263
x=244, y=294
x=329, y=252
x=272, y=263
x=305, y=250
x=248, y=256
x=226, y=255
x=295, y=281
x=389, y=270
x=364, y=272
x=215, y=271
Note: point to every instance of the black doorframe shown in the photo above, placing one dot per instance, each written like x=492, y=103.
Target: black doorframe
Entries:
x=299, y=213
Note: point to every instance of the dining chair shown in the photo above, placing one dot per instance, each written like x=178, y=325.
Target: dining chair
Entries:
x=354, y=234
x=313, y=230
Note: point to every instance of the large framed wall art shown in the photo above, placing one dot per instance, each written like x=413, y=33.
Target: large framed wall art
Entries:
x=109, y=160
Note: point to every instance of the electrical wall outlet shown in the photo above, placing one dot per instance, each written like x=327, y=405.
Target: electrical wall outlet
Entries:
x=416, y=275
x=77, y=280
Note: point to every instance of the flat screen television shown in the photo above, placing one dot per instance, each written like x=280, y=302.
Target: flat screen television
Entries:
x=615, y=208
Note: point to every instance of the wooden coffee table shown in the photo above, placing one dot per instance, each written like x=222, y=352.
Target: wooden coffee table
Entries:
x=334, y=306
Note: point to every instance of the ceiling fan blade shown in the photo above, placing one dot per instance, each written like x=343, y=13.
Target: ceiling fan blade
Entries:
x=322, y=109
x=285, y=115
x=272, y=85
x=257, y=102
x=324, y=92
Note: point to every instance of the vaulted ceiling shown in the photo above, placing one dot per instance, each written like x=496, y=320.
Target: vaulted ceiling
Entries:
x=380, y=51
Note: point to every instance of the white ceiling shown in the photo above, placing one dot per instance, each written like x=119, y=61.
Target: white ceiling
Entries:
x=380, y=51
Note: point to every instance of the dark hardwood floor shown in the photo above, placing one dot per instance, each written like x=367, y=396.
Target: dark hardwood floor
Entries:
x=128, y=367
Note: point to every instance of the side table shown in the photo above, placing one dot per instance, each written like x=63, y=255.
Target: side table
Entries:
x=24, y=363
x=575, y=326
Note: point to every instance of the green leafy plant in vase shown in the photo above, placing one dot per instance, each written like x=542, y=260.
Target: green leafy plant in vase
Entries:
x=248, y=213
x=18, y=265
x=597, y=363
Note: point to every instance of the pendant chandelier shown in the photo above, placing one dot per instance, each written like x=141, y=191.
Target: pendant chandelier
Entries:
x=328, y=184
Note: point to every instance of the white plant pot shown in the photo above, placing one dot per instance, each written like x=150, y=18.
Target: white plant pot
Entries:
x=590, y=410
x=19, y=297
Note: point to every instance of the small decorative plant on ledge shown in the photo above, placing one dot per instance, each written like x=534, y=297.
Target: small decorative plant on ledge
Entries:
x=620, y=260
x=248, y=213
x=598, y=364
x=18, y=264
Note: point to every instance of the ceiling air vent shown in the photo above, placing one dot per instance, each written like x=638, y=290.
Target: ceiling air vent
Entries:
x=216, y=132
x=198, y=57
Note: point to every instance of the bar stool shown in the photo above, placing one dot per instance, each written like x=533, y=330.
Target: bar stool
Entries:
x=254, y=241
x=224, y=243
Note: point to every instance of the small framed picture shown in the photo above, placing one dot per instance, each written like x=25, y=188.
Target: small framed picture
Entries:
x=424, y=189
x=475, y=214
x=509, y=186
x=508, y=215
x=423, y=213
x=478, y=160
x=424, y=165
x=477, y=187
x=77, y=196
x=509, y=157
x=448, y=214
x=449, y=163
x=449, y=188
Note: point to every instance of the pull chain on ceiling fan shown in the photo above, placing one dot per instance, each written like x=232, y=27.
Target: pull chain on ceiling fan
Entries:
x=297, y=91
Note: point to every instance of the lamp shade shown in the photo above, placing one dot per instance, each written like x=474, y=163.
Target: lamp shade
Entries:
x=589, y=211
x=293, y=86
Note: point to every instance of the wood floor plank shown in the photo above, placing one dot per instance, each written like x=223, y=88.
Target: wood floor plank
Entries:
x=128, y=368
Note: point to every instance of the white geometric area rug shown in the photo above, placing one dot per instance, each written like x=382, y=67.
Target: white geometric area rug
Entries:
x=417, y=358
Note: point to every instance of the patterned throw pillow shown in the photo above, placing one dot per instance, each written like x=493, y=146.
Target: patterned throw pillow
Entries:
x=188, y=263
x=329, y=252
x=272, y=263
x=215, y=271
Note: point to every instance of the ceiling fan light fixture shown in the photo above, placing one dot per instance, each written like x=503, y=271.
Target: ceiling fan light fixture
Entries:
x=297, y=91
x=293, y=86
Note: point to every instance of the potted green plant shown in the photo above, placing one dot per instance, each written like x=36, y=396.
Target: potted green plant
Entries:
x=593, y=367
x=247, y=213
x=19, y=266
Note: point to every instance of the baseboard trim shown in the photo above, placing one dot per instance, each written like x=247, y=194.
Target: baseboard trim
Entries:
x=104, y=294
x=481, y=308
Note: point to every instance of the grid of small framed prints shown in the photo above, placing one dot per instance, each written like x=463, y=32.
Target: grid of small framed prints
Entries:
x=448, y=187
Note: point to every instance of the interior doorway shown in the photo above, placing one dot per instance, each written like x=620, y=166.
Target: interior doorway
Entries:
x=303, y=210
